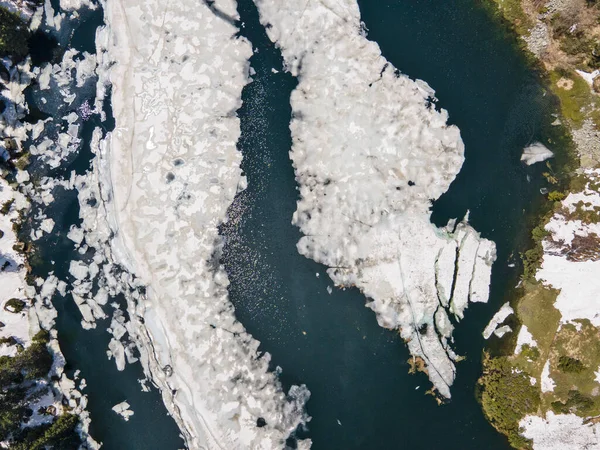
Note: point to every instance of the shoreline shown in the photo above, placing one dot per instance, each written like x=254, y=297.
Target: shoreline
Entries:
x=29, y=337
x=535, y=289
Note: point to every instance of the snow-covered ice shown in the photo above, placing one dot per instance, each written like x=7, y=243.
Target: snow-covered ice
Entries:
x=165, y=177
x=370, y=152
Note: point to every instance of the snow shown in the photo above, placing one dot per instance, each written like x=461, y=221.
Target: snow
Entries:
x=571, y=264
x=589, y=77
x=370, y=153
x=12, y=275
x=548, y=383
x=524, y=338
x=498, y=318
x=566, y=267
x=561, y=432
x=176, y=80
x=535, y=153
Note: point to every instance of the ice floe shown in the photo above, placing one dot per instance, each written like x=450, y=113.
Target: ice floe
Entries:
x=498, y=318
x=535, y=153
x=123, y=410
x=370, y=152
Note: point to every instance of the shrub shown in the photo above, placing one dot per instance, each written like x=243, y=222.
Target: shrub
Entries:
x=13, y=34
x=12, y=410
x=10, y=340
x=530, y=352
x=570, y=365
x=7, y=205
x=576, y=403
x=506, y=397
x=556, y=196
x=14, y=305
x=61, y=435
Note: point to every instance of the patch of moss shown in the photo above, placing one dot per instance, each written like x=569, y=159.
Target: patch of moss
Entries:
x=573, y=101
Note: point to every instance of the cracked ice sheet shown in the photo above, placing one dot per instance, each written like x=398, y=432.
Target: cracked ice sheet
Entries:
x=369, y=154
x=173, y=168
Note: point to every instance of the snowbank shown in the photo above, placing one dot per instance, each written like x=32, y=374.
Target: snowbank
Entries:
x=561, y=432
x=370, y=153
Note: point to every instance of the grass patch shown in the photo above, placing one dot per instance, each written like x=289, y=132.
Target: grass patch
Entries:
x=512, y=11
x=536, y=310
x=574, y=359
x=573, y=101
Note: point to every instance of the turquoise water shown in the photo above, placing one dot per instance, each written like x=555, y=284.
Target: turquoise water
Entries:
x=362, y=395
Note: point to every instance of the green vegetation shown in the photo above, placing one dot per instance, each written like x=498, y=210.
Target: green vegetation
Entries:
x=574, y=95
x=14, y=35
x=16, y=373
x=507, y=396
x=512, y=12
x=505, y=389
x=532, y=258
x=60, y=435
x=530, y=353
x=556, y=196
x=576, y=403
x=5, y=209
x=570, y=365
x=23, y=161
x=14, y=305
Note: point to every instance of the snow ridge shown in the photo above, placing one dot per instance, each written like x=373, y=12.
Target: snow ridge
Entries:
x=370, y=153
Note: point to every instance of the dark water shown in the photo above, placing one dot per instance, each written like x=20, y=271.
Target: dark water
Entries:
x=362, y=396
